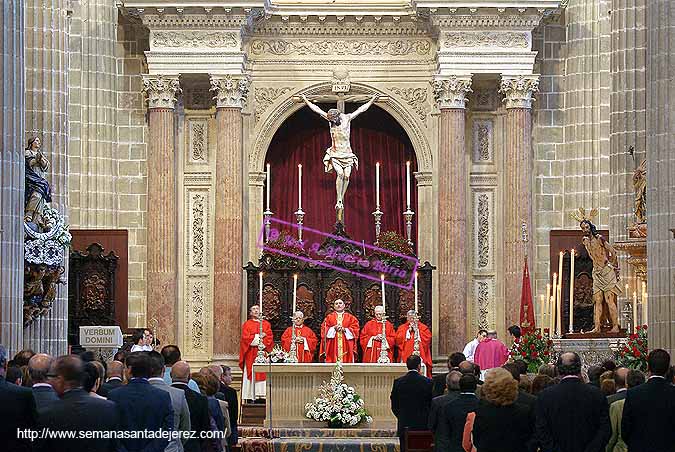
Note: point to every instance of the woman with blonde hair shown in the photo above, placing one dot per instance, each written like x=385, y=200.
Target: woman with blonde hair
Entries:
x=499, y=424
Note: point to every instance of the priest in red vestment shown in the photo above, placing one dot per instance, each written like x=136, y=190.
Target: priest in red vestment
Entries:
x=405, y=342
x=339, y=333
x=248, y=350
x=305, y=339
x=372, y=339
x=491, y=352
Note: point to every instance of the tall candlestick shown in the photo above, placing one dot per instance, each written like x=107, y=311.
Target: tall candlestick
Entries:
x=299, y=187
x=542, y=315
x=384, y=306
x=269, y=182
x=555, y=303
x=416, y=310
x=548, y=297
x=644, y=303
x=261, y=292
x=571, y=329
x=635, y=319
x=558, y=305
x=295, y=292
x=551, y=317
x=377, y=184
x=407, y=185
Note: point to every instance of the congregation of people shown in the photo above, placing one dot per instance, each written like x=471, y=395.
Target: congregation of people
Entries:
x=152, y=400
x=561, y=408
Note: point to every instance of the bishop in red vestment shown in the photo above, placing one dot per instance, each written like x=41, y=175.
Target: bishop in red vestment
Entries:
x=371, y=337
x=405, y=342
x=339, y=333
x=305, y=339
x=248, y=350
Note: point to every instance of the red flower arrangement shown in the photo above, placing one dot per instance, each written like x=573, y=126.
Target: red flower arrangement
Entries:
x=634, y=354
x=534, y=348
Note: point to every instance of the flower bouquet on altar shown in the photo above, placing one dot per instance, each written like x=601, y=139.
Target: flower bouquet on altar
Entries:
x=278, y=354
x=533, y=348
x=337, y=404
x=634, y=353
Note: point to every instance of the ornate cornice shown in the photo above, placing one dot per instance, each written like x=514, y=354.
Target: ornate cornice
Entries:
x=416, y=98
x=230, y=90
x=390, y=47
x=517, y=40
x=194, y=39
x=451, y=92
x=487, y=21
x=161, y=90
x=519, y=90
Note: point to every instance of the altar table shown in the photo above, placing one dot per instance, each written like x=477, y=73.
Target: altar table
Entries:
x=291, y=386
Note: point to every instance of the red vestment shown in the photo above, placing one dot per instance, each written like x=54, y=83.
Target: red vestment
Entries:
x=335, y=343
x=491, y=353
x=248, y=352
x=370, y=330
x=304, y=332
x=405, y=342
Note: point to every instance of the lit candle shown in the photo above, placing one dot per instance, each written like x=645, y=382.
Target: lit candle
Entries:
x=299, y=187
x=542, y=315
x=415, y=291
x=635, y=319
x=295, y=292
x=555, y=302
x=571, y=291
x=407, y=185
x=261, y=291
x=644, y=303
x=551, y=317
x=559, y=296
x=269, y=182
x=377, y=184
x=384, y=306
x=548, y=297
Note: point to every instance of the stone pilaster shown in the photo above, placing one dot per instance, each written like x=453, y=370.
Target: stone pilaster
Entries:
x=452, y=236
x=518, y=96
x=12, y=121
x=230, y=95
x=47, y=118
x=162, y=222
x=660, y=171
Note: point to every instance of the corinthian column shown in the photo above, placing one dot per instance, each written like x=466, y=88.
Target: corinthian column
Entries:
x=452, y=237
x=161, y=285
x=12, y=123
x=518, y=92
x=230, y=96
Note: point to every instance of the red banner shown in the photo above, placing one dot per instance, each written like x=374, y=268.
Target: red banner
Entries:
x=527, y=320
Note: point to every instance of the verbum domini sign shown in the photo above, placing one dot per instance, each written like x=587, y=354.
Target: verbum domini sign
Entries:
x=100, y=336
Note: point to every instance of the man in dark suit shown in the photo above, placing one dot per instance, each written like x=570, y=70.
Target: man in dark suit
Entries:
x=411, y=399
x=648, y=423
x=437, y=422
x=524, y=398
x=456, y=411
x=620, y=375
x=17, y=411
x=114, y=375
x=439, y=381
x=230, y=396
x=142, y=406
x=38, y=367
x=199, y=408
x=572, y=416
x=76, y=411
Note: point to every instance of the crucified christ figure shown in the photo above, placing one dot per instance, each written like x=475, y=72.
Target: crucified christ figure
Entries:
x=339, y=156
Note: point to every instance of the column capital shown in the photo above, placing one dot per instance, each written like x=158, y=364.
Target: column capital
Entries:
x=256, y=178
x=424, y=178
x=161, y=90
x=519, y=90
x=450, y=92
x=230, y=90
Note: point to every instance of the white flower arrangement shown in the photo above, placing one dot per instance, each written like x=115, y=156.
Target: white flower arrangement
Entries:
x=278, y=354
x=338, y=404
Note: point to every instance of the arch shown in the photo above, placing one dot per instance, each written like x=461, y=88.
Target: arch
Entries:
x=288, y=106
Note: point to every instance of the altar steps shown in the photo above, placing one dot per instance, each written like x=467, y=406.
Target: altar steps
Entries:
x=254, y=439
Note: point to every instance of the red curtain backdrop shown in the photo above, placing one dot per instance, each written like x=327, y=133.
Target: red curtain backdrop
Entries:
x=375, y=137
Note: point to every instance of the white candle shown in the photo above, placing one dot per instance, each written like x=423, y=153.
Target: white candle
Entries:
x=558, y=319
x=295, y=291
x=384, y=306
x=548, y=297
x=261, y=291
x=644, y=303
x=377, y=184
x=555, y=303
x=299, y=187
x=572, y=291
x=542, y=312
x=269, y=182
x=635, y=319
x=416, y=310
x=551, y=317
x=407, y=185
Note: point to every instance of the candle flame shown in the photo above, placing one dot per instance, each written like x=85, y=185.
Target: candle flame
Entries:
x=562, y=252
x=382, y=276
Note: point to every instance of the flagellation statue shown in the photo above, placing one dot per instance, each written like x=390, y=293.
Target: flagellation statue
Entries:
x=339, y=156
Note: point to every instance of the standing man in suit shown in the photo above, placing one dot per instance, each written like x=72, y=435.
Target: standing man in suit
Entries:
x=198, y=405
x=572, y=416
x=616, y=442
x=437, y=421
x=181, y=412
x=230, y=396
x=114, y=374
x=411, y=399
x=524, y=397
x=620, y=375
x=457, y=410
x=648, y=423
x=76, y=411
x=142, y=406
x=17, y=411
x=439, y=381
x=44, y=393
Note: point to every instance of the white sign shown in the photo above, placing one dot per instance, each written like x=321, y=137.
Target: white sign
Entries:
x=100, y=336
x=341, y=86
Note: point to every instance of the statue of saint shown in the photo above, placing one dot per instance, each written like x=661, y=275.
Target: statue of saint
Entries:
x=605, y=275
x=339, y=156
x=38, y=192
x=640, y=187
